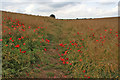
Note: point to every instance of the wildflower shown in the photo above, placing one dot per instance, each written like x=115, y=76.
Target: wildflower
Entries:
x=10, y=39
x=6, y=45
x=17, y=46
x=96, y=40
x=29, y=27
x=88, y=77
x=23, y=43
x=80, y=60
x=78, y=50
x=100, y=37
x=19, y=38
x=105, y=30
x=45, y=49
x=70, y=63
x=104, y=36
x=20, y=50
x=0, y=39
x=66, y=58
x=84, y=71
x=63, y=62
x=67, y=62
x=62, y=59
x=117, y=35
x=22, y=37
x=9, y=33
x=23, y=51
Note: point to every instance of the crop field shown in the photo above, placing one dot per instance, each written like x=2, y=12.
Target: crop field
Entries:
x=44, y=47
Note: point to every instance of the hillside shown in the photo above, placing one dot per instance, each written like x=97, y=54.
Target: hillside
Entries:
x=43, y=47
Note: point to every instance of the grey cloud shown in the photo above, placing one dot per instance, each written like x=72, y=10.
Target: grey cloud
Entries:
x=62, y=4
x=106, y=3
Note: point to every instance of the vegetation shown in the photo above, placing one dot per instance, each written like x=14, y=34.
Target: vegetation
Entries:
x=39, y=47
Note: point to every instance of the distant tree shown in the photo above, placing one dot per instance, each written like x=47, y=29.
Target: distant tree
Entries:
x=77, y=18
x=52, y=15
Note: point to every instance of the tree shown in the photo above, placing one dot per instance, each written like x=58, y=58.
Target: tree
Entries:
x=52, y=15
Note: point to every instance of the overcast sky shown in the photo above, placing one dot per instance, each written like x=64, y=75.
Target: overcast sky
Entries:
x=69, y=9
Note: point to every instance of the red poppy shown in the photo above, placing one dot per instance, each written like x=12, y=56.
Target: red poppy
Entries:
x=84, y=71
x=78, y=50
x=110, y=29
x=23, y=51
x=96, y=40
x=100, y=37
x=19, y=38
x=70, y=63
x=17, y=45
x=20, y=50
x=67, y=62
x=10, y=39
x=66, y=58
x=9, y=33
x=29, y=27
x=63, y=62
x=23, y=43
x=22, y=37
x=80, y=60
x=0, y=39
x=45, y=49
x=88, y=77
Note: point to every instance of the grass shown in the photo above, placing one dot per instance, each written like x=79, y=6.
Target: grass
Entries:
x=74, y=48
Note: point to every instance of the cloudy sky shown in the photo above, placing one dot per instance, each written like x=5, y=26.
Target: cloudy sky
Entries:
x=65, y=9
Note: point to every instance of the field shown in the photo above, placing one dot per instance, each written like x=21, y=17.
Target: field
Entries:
x=43, y=47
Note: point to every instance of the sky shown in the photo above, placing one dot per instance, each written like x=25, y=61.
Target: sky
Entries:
x=63, y=9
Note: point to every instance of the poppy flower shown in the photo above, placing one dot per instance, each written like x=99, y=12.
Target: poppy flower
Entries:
x=63, y=62
x=22, y=37
x=29, y=27
x=19, y=38
x=10, y=39
x=67, y=62
x=70, y=63
x=23, y=51
x=20, y=50
x=96, y=40
x=80, y=60
x=23, y=43
x=45, y=49
x=17, y=46
x=66, y=58
x=110, y=29
x=84, y=71
x=0, y=39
